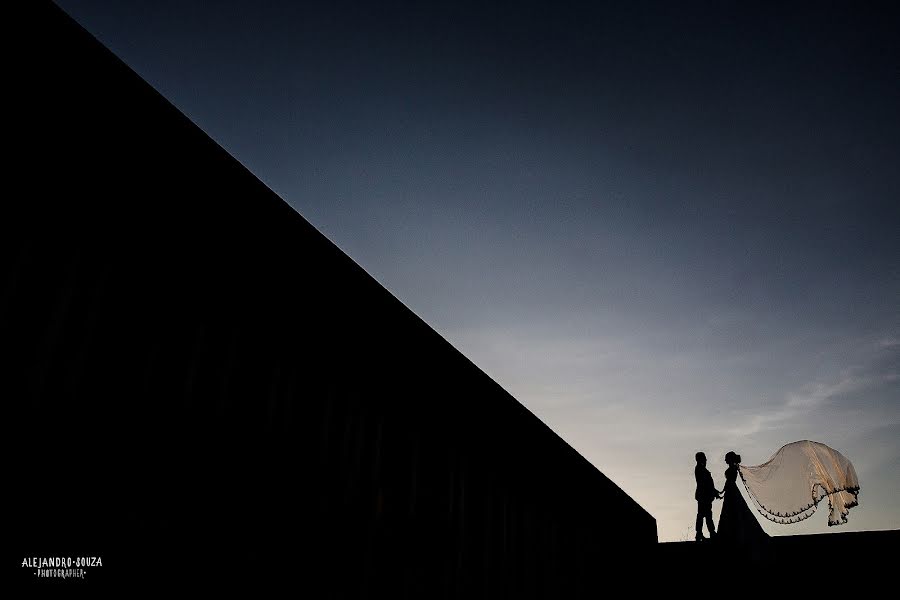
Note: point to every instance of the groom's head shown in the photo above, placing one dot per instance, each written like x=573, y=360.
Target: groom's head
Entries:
x=701, y=459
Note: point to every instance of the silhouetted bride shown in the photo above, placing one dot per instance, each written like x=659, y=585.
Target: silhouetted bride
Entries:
x=738, y=525
x=785, y=489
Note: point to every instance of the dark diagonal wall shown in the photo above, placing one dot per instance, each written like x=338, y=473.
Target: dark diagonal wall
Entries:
x=200, y=386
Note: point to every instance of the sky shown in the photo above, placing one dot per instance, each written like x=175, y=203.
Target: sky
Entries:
x=663, y=227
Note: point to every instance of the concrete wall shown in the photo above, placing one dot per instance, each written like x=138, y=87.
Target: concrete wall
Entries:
x=201, y=387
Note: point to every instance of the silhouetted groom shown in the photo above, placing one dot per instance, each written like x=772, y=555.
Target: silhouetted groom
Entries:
x=706, y=492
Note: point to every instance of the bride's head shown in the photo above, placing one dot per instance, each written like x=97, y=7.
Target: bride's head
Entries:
x=732, y=458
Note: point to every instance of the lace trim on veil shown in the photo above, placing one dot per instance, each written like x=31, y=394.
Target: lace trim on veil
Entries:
x=807, y=511
x=789, y=487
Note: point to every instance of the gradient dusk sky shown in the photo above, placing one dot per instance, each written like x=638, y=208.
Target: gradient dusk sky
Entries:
x=663, y=227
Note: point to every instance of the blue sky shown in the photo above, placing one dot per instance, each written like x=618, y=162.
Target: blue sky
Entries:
x=662, y=228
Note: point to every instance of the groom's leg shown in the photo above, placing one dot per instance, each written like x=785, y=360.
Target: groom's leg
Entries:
x=703, y=510
x=710, y=525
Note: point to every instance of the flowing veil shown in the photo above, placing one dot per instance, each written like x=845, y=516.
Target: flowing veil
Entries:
x=789, y=486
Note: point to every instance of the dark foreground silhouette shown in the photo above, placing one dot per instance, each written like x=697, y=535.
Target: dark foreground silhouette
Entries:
x=858, y=561
x=705, y=494
x=201, y=388
x=739, y=529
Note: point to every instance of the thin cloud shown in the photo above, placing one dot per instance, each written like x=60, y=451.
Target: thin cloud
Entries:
x=808, y=399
